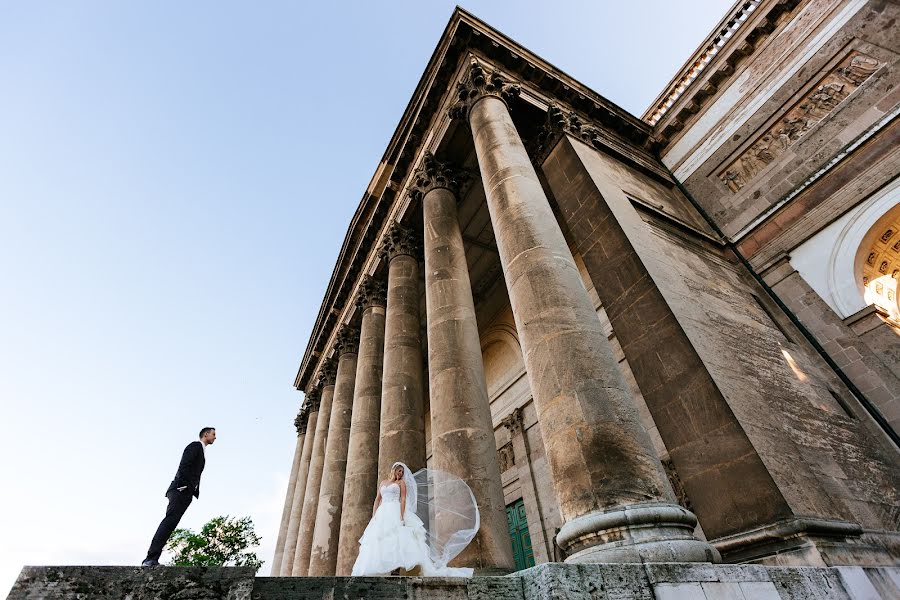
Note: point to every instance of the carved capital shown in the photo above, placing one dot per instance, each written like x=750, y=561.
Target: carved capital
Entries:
x=313, y=400
x=476, y=85
x=513, y=422
x=327, y=372
x=372, y=292
x=347, y=340
x=559, y=123
x=433, y=174
x=302, y=419
x=400, y=241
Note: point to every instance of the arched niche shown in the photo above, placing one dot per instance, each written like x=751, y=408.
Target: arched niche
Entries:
x=502, y=356
x=878, y=263
x=832, y=260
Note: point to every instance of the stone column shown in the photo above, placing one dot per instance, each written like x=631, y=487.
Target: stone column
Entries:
x=402, y=436
x=613, y=494
x=462, y=435
x=311, y=406
x=361, y=481
x=300, y=424
x=327, y=375
x=323, y=557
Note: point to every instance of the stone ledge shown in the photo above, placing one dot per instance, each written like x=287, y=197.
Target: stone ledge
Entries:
x=551, y=581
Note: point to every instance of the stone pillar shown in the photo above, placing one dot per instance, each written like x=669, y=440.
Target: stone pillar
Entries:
x=311, y=406
x=402, y=436
x=327, y=375
x=615, y=500
x=462, y=435
x=361, y=481
x=323, y=557
x=543, y=551
x=300, y=424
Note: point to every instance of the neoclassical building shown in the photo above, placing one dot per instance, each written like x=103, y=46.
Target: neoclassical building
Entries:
x=665, y=338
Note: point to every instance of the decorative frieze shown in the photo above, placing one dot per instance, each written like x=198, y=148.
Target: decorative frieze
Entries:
x=400, y=240
x=433, y=174
x=372, y=292
x=477, y=84
x=821, y=101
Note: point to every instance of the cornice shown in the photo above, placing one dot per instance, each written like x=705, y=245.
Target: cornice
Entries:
x=464, y=37
x=714, y=63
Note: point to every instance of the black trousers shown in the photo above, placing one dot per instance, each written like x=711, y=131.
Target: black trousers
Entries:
x=178, y=503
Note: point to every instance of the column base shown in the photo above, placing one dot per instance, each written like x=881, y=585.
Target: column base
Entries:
x=653, y=532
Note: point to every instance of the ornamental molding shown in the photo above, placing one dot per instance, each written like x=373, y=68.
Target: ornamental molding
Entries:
x=347, y=340
x=434, y=174
x=514, y=421
x=479, y=83
x=372, y=292
x=400, y=241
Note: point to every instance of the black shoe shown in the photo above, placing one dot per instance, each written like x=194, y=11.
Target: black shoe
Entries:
x=150, y=563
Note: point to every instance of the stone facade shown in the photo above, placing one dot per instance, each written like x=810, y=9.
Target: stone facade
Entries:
x=661, y=338
x=545, y=582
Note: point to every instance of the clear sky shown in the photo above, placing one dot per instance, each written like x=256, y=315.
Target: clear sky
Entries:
x=176, y=179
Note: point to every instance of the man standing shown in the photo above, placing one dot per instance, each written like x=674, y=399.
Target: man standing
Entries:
x=185, y=485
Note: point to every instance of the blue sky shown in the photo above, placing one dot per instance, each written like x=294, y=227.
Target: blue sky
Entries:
x=176, y=180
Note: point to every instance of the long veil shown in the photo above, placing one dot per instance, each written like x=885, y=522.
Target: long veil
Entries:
x=447, y=507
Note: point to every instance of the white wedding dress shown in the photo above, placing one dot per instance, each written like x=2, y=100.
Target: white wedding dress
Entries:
x=389, y=543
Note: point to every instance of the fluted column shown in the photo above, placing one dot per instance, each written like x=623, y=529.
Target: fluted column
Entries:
x=462, y=434
x=613, y=493
x=311, y=406
x=300, y=424
x=323, y=557
x=361, y=481
x=327, y=375
x=402, y=436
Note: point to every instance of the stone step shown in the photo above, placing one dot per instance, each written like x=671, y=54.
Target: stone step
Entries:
x=552, y=581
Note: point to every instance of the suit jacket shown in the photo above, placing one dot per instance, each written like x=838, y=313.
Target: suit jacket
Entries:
x=189, y=469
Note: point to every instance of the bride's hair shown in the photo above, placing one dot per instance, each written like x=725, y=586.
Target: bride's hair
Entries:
x=393, y=476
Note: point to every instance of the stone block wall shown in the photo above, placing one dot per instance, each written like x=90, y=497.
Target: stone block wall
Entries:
x=749, y=416
x=552, y=581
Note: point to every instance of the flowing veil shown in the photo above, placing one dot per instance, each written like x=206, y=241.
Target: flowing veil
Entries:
x=447, y=507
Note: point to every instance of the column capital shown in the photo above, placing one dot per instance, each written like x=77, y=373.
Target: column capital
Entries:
x=560, y=122
x=433, y=174
x=327, y=372
x=302, y=419
x=313, y=398
x=400, y=241
x=476, y=85
x=347, y=340
x=513, y=422
x=372, y=292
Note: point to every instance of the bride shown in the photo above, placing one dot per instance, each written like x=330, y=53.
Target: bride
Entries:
x=396, y=537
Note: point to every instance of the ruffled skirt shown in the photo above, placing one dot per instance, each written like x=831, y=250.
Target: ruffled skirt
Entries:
x=388, y=543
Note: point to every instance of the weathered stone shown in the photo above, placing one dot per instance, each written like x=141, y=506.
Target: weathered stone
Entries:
x=402, y=429
x=286, y=566
x=323, y=555
x=601, y=458
x=361, y=480
x=314, y=477
x=462, y=434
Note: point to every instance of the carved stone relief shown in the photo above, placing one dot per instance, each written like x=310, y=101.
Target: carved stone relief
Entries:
x=842, y=81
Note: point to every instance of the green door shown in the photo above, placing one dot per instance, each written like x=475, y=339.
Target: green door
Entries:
x=518, y=533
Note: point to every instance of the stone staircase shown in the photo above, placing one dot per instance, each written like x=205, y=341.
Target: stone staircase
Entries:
x=553, y=581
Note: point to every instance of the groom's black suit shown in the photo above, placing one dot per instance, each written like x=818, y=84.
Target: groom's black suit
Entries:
x=188, y=476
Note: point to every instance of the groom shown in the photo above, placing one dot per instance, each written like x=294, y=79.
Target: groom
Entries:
x=185, y=485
